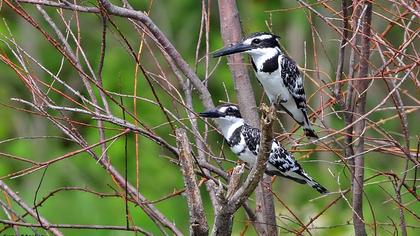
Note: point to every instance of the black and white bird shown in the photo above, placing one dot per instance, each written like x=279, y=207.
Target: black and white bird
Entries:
x=277, y=73
x=244, y=141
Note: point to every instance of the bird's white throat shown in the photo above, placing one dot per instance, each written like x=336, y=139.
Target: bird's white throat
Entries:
x=228, y=125
x=261, y=55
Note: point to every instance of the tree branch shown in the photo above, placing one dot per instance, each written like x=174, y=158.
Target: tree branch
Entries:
x=231, y=30
x=359, y=127
x=198, y=221
x=235, y=180
x=257, y=171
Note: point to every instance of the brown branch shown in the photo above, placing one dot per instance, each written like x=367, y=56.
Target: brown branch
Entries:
x=198, y=221
x=13, y=215
x=342, y=50
x=291, y=212
x=235, y=180
x=402, y=114
x=200, y=141
x=150, y=209
x=118, y=178
x=257, y=171
x=65, y=156
x=67, y=5
x=360, y=87
x=322, y=212
x=154, y=30
x=159, y=36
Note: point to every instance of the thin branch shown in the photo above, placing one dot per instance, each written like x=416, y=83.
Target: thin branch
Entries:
x=342, y=49
x=359, y=127
x=16, y=198
x=75, y=226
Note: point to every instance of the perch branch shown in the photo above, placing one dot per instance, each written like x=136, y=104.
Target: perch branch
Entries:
x=198, y=221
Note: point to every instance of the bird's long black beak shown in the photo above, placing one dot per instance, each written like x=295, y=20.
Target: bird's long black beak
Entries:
x=211, y=114
x=237, y=48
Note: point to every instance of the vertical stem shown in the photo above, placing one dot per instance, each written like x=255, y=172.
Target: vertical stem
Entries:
x=198, y=221
x=342, y=51
x=265, y=200
x=359, y=128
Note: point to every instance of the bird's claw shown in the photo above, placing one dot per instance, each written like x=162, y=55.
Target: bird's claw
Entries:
x=280, y=99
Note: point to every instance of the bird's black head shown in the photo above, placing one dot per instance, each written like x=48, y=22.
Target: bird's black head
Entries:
x=256, y=43
x=223, y=111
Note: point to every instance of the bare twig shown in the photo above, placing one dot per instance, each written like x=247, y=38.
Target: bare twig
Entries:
x=75, y=226
x=342, y=50
x=166, y=44
x=16, y=198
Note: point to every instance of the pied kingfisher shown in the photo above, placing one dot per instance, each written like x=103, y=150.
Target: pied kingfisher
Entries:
x=244, y=141
x=277, y=73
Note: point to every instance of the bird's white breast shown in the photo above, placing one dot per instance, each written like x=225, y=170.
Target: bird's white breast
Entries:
x=272, y=82
x=243, y=152
x=228, y=131
x=248, y=157
x=273, y=85
x=238, y=148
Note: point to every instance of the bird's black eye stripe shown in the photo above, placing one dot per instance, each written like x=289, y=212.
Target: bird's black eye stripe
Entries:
x=233, y=112
x=230, y=111
x=256, y=41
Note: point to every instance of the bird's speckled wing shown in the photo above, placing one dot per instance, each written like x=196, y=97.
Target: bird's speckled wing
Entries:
x=279, y=157
x=293, y=80
x=281, y=162
x=252, y=138
x=282, y=159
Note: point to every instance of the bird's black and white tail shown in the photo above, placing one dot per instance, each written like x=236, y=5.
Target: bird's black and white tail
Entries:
x=301, y=177
x=300, y=116
x=310, y=133
x=307, y=128
x=321, y=189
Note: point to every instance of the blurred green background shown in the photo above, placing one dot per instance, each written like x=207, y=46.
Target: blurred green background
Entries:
x=180, y=21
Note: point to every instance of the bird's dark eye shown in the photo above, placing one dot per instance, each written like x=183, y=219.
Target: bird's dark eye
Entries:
x=256, y=41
